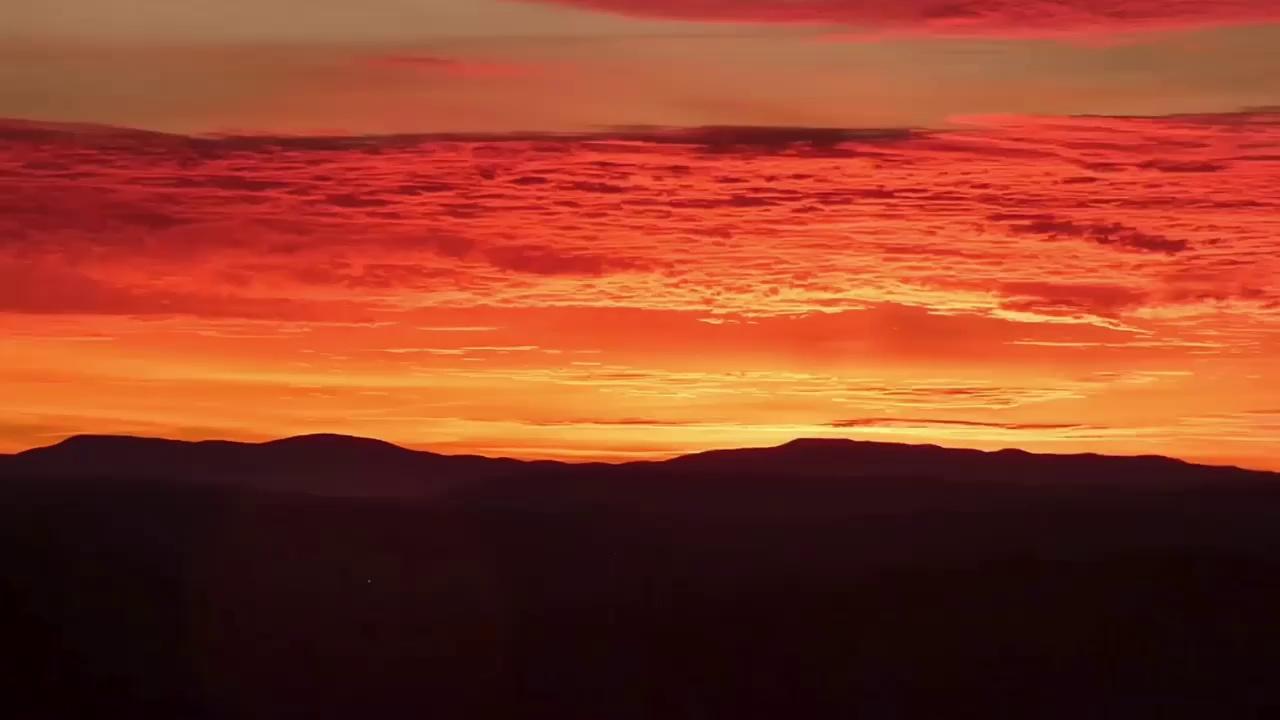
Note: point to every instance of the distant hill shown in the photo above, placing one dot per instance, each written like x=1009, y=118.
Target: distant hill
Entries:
x=334, y=577
x=314, y=464
x=327, y=464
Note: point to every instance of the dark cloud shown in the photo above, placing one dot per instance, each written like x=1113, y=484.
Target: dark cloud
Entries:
x=620, y=422
x=537, y=260
x=933, y=422
x=842, y=142
x=1184, y=167
x=1103, y=233
x=1059, y=298
x=986, y=17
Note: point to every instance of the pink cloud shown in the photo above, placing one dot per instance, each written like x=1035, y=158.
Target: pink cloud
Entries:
x=983, y=17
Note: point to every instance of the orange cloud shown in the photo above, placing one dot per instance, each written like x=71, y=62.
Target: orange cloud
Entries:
x=647, y=291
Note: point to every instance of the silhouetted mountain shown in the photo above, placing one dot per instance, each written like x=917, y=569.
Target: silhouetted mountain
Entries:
x=823, y=456
x=333, y=577
x=315, y=464
x=312, y=463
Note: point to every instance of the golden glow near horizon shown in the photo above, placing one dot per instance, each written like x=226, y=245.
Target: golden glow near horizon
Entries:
x=1030, y=266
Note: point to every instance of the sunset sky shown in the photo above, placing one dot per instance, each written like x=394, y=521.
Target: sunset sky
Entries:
x=627, y=229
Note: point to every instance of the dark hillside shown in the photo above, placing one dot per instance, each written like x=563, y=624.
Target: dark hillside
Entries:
x=159, y=579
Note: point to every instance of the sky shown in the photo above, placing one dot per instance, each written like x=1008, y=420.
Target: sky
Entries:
x=629, y=229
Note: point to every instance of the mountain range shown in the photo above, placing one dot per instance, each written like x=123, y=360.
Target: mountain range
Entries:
x=333, y=577
x=328, y=464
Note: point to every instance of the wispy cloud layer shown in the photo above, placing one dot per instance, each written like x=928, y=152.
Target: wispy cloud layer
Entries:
x=995, y=17
x=1062, y=220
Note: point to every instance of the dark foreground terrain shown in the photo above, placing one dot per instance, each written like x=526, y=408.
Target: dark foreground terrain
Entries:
x=328, y=577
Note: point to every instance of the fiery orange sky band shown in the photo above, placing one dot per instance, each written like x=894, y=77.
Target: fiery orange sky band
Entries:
x=495, y=249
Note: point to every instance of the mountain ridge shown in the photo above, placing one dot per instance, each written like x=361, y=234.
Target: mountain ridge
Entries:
x=321, y=441
x=330, y=460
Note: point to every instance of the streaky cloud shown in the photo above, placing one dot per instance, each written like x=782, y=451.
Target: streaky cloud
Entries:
x=959, y=17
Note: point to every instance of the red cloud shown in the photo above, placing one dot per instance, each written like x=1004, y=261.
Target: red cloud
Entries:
x=1064, y=220
x=994, y=17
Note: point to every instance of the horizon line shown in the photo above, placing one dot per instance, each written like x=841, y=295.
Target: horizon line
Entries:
x=562, y=461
